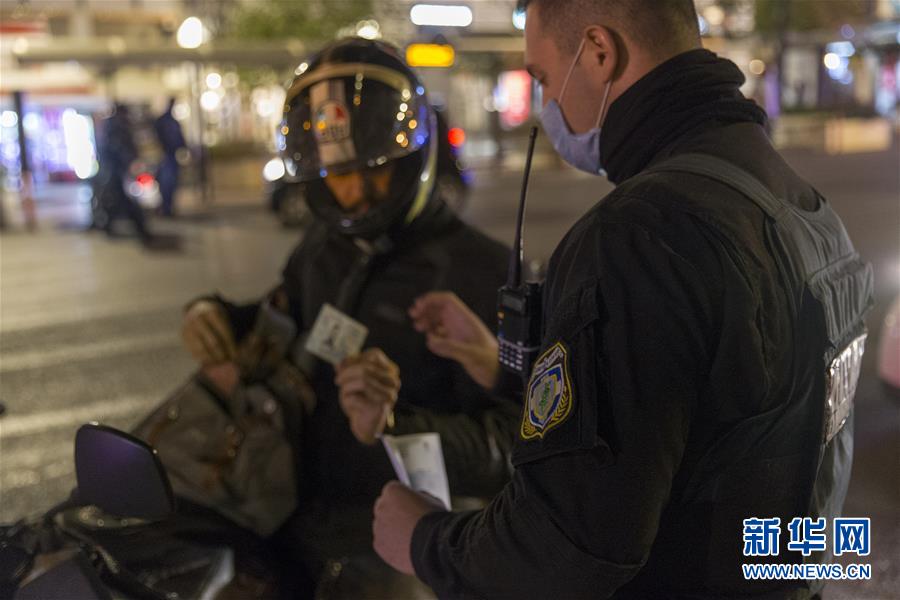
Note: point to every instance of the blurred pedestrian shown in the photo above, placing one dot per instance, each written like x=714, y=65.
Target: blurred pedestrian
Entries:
x=171, y=140
x=118, y=153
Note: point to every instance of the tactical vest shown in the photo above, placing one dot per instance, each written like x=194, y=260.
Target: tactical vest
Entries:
x=830, y=290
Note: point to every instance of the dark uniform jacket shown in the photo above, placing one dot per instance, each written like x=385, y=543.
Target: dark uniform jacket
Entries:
x=666, y=325
x=340, y=478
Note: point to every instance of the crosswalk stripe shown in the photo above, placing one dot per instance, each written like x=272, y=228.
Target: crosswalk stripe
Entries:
x=17, y=426
x=33, y=359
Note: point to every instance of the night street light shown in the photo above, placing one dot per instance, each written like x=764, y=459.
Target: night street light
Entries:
x=441, y=15
x=191, y=33
x=368, y=29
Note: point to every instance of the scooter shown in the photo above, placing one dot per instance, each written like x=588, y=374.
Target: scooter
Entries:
x=141, y=188
x=110, y=538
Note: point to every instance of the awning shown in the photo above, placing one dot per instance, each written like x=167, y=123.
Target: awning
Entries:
x=115, y=52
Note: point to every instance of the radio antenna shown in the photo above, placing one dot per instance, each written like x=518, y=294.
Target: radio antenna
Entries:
x=517, y=256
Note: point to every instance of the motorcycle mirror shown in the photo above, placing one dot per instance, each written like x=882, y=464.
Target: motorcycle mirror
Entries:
x=121, y=474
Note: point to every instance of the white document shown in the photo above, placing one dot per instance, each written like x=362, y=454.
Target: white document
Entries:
x=335, y=336
x=419, y=463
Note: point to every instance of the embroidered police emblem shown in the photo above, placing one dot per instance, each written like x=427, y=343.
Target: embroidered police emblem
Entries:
x=332, y=122
x=549, y=400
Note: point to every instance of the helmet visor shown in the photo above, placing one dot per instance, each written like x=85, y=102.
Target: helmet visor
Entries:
x=352, y=116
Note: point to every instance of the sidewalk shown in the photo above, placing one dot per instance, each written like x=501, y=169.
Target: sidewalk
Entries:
x=68, y=205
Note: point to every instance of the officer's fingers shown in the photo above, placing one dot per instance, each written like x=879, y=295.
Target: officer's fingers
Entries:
x=386, y=497
x=428, y=309
x=218, y=324
x=392, y=491
x=392, y=488
x=429, y=301
x=446, y=347
x=423, y=321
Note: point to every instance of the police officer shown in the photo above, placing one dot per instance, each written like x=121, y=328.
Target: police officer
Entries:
x=360, y=135
x=171, y=142
x=702, y=332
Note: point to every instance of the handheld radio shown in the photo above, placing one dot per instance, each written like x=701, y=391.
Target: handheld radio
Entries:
x=518, y=302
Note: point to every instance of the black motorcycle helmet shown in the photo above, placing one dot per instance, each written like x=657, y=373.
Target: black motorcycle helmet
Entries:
x=355, y=106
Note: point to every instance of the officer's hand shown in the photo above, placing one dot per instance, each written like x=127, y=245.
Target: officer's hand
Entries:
x=207, y=333
x=453, y=331
x=368, y=385
x=397, y=511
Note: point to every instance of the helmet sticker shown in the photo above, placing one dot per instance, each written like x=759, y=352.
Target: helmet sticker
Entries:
x=332, y=122
x=332, y=125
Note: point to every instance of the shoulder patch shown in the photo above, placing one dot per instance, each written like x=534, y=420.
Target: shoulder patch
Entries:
x=549, y=393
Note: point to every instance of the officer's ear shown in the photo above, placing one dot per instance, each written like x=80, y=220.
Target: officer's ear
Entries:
x=604, y=54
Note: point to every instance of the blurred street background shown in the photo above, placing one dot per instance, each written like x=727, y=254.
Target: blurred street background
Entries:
x=89, y=324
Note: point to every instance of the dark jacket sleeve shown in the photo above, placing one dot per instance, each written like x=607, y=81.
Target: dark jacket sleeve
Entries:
x=581, y=514
x=477, y=436
x=477, y=444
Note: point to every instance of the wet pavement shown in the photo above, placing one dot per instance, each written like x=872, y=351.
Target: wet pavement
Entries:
x=89, y=325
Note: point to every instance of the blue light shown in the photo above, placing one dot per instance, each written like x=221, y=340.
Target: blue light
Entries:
x=420, y=90
x=420, y=139
x=704, y=25
x=843, y=49
x=518, y=19
x=323, y=172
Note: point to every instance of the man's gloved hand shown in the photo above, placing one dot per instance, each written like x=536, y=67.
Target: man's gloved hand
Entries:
x=207, y=333
x=368, y=384
x=453, y=331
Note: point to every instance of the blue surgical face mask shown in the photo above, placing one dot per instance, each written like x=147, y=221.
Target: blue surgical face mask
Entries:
x=581, y=150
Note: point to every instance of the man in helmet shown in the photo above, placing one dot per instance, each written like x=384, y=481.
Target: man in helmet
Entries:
x=359, y=133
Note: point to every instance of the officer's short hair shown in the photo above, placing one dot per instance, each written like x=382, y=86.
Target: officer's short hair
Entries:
x=664, y=27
